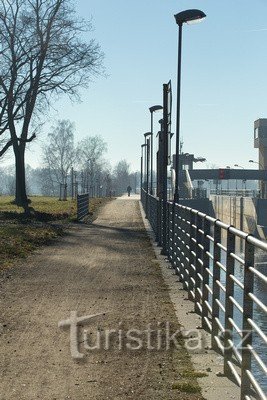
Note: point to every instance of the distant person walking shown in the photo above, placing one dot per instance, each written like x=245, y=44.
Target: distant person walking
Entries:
x=129, y=189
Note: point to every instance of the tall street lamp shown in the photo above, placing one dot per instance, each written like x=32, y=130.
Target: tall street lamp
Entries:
x=244, y=180
x=187, y=16
x=152, y=110
x=261, y=186
x=142, y=168
x=256, y=162
x=148, y=155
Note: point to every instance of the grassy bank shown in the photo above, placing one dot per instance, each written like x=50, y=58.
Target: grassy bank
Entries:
x=19, y=235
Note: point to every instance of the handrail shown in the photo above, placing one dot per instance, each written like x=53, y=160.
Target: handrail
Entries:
x=205, y=252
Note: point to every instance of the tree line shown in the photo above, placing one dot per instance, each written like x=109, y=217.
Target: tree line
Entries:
x=65, y=162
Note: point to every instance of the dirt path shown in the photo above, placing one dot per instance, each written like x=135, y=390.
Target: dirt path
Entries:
x=108, y=267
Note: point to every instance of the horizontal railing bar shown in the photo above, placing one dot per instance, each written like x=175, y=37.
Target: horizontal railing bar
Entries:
x=257, y=358
x=234, y=372
x=220, y=305
x=221, y=286
x=258, y=302
x=235, y=351
x=208, y=306
x=221, y=247
x=238, y=330
x=210, y=255
x=237, y=258
x=209, y=272
x=219, y=344
x=199, y=306
x=208, y=323
x=208, y=288
x=259, y=274
x=219, y=264
x=240, y=284
x=257, y=329
x=219, y=324
x=235, y=303
x=211, y=239
x=255, y=385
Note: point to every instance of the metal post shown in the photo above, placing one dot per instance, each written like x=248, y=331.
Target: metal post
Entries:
x=247, y=313
x=199, y=225
x=151, y=155
x=178, y=113
x=164, y=168
x=205, y=274
x=192, y=252
x=229, y=307
x=147, y=172
x=215, y=287
x=141, y=182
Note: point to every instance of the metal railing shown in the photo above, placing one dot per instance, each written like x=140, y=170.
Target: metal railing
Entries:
x=236, y=192
x=82, y=205
x=217, y=265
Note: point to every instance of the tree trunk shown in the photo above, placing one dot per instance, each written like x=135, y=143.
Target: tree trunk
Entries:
x=21, y=198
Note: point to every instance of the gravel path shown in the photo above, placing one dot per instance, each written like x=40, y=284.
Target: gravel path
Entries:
x=109, y=268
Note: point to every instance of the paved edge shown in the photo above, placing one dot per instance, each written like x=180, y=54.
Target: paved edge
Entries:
x=207, y=360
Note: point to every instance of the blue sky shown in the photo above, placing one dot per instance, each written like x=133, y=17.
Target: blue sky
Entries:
x=224, y=81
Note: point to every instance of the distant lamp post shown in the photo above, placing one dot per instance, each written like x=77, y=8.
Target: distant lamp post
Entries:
x=261, y=186
x=152, y=110
x=244, y=180
x=142, y=168
x=187, y=16
x=228, y=188
x=147, y=141
x=256, y=162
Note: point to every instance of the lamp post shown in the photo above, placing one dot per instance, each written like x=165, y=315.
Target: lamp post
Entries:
x=152, y=110
x=187, y=16
x=244, y=180
x=148, y=155
x=142, y=168
x=228, y=167
x=261, y=185
x=256, y=162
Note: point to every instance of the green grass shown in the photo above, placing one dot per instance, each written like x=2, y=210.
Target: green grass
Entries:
x=41, y=204
x=19, y=235
x=186, y=387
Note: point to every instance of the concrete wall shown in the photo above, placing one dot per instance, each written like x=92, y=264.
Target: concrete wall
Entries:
x=245, y=213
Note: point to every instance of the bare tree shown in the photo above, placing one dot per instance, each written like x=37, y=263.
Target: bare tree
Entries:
x=122, y=176
x=41, y=55
x=60, y=153
x=91, y=152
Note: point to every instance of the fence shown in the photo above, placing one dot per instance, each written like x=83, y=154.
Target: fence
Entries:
x=82, y=205
x=223, y=283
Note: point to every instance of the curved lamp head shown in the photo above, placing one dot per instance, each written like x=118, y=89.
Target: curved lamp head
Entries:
x=147, y=134
x=155, y=108
x=189, y=16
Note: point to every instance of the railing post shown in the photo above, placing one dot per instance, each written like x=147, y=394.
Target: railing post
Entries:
x=205, y=274
x=247, y=313
x=229, y=307
x=159, y=219
x=198, y=268
x=215, y=287
x=168, y=218
x=186, y=218
x=192, y=247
